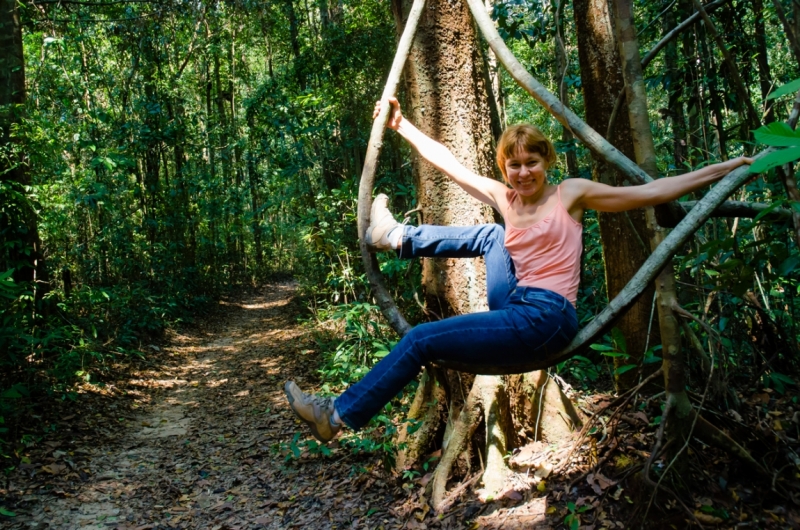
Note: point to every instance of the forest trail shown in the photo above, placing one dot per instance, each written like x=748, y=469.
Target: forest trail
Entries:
x=205, y=442
x=200, y=438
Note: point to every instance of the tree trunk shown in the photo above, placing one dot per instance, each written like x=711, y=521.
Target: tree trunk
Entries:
x=674, y=360
x=562, y=62
x=622, y=234
x=791, y=34
x=764, y=74
x=453, y=106
x=26, y=256
x=675, y=105
x=694, y=103
x=450, y=105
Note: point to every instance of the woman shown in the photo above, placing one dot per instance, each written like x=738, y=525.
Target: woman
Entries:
x=532, y=267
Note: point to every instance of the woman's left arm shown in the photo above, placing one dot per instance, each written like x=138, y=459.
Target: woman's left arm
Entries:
x=605, y=198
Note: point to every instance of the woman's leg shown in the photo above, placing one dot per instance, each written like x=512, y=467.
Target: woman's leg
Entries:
x=431, y=241
x=530, y=325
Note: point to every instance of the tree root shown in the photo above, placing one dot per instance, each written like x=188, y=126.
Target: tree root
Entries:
x=712, y=435
x=496, y=472
x=423, y=410
x=462, y=431
x=554, y=414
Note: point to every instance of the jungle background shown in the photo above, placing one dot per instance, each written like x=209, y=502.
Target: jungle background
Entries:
x=161, y=160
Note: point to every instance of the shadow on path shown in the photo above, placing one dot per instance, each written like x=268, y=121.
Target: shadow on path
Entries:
x=198, y=441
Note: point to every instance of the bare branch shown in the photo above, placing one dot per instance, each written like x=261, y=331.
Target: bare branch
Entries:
x=379, y=290
x=741, y=209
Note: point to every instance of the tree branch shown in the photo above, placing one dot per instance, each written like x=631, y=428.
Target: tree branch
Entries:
x=741, y=209
x=680, y=28
x=379, y=290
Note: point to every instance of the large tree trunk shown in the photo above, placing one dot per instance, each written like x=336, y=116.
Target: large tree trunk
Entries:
x=453, y=105
x=27, y=256
x=674, y=360
x=622, y=234
x=450, y=105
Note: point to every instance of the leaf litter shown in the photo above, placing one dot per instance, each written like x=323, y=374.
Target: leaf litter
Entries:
x=204, y=440
x=200, y=440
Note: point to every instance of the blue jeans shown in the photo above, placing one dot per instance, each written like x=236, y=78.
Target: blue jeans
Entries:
x=522, y=322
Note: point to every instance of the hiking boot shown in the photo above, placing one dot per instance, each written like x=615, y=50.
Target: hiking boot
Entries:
x=381, y=222
x=316, y=412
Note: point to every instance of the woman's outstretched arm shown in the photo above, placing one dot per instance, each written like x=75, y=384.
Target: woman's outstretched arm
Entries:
x=605, y=198
x=484, y=189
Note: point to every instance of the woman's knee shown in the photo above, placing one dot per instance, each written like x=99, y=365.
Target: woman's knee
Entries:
x=415, y=343
x=495, y=231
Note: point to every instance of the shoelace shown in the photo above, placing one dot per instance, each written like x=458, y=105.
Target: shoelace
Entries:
x=325, y=403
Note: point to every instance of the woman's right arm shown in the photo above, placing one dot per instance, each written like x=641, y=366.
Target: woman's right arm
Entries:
x=484, y=189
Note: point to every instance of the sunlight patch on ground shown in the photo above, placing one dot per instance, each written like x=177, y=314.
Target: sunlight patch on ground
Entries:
x=269, y=305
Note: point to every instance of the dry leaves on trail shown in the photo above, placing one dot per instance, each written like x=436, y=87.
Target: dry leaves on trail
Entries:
x=198, y=442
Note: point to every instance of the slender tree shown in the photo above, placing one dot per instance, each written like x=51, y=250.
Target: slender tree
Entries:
x=622, y=234
x=17, y=217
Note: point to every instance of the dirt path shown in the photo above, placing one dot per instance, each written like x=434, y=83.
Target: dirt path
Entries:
x=199, y=441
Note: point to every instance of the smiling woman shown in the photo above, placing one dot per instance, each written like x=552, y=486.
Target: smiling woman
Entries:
x=532, y=266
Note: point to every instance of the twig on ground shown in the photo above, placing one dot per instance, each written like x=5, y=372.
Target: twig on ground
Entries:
x=622, y=398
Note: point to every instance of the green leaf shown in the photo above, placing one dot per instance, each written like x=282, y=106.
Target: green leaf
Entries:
x=775, y=159
x=11, y=393
x=622, y=369
x=788, y=265
x=602, y=347
x=619, y=340
x=767, y=210
x=788, y=88
x=783, y=378
x=7, y=513
x=777, y=134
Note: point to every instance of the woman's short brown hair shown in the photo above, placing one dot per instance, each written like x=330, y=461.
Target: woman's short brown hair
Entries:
x=524, y=137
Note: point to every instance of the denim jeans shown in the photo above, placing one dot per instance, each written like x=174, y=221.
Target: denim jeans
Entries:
x=522, y=322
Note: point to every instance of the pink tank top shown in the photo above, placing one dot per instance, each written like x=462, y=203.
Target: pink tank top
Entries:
x=547, y=254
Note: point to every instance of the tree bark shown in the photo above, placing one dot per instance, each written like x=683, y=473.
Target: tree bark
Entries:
x=624, y=250
x=674, y=360
x=450, y=105
x=27, y=256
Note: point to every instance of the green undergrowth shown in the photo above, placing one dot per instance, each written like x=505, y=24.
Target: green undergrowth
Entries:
x=52, y=345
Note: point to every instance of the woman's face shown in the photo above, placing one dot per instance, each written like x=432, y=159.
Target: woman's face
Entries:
x=526, y=172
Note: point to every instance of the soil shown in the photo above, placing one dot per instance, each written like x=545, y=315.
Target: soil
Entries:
x=205, y=440
x=198, y=435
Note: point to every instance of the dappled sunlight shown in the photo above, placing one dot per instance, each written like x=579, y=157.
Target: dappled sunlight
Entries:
x=209, y=434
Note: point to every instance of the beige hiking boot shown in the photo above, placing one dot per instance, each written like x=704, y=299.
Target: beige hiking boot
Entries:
x=381, y=222
x=315, y=411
